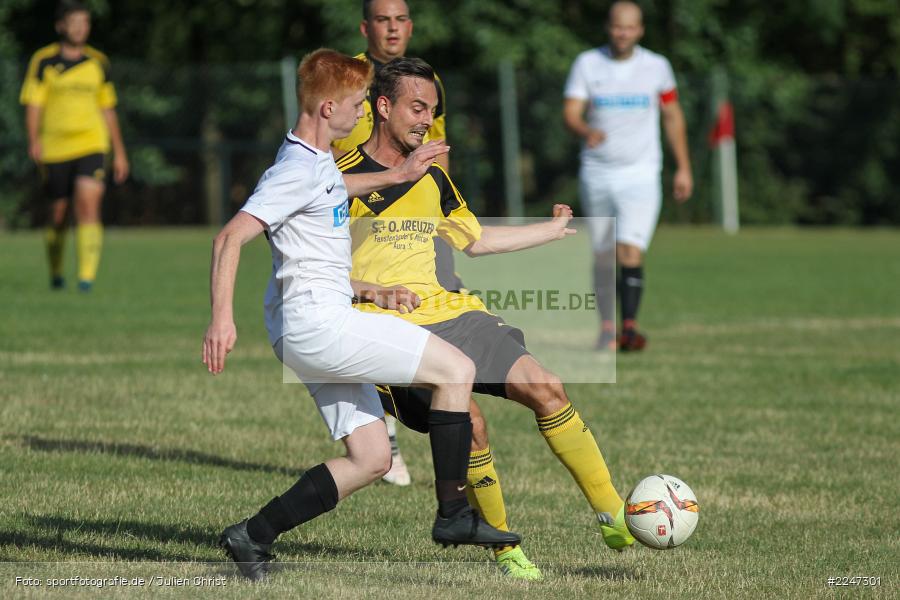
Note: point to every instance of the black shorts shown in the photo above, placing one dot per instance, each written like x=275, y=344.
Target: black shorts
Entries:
x=492, y=345
x=59, y=178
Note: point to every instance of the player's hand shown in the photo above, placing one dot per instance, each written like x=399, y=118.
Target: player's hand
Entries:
x=683, y=185
x=121, y=168
x=420, y=159
x=594, y=138
x=35, y=151
x=396, y=298
x=562, y=214
x=217, y=343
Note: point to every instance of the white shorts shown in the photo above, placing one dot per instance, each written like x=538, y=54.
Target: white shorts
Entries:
x=340, y=352
x=346, y=406
x=634, y=202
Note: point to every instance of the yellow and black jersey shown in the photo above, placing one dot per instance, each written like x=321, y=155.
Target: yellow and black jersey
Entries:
x=366, y=123
x=73, y=95
x=393, y=233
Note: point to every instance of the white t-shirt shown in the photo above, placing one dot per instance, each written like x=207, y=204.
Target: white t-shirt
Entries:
x=623, y=101
x=303, y=202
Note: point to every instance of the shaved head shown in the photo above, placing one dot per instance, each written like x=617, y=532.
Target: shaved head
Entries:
x=626, y=10
x=625, y=27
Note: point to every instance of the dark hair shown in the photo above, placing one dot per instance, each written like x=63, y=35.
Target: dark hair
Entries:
x=67, y=7
x=367, y=9
x=387, y=79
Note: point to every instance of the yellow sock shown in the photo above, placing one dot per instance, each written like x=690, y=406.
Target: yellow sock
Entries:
x=575, y=447
x=88, y=241
x=484, y=491
x=56, y=245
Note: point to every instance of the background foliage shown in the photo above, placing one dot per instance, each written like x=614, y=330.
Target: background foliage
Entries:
x=814, y=84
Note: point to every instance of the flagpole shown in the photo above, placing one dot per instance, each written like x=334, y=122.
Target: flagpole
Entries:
x=722, y=140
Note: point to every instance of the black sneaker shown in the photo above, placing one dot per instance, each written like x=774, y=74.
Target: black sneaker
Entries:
x=252, y=558
x=466, y=527
x=632, y=340
x=57, y=282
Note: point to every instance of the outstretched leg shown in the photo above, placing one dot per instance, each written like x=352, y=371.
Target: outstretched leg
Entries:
x=316, y=492
x=570, y=439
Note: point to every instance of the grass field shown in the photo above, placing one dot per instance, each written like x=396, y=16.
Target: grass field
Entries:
x=771, y=385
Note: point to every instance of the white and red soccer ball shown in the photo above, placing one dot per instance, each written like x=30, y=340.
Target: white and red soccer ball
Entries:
x=661, y=512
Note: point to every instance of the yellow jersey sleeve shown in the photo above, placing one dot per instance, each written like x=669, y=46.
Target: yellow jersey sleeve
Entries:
x=107, y=96
x=106, y=93
x=460, y=228
x=34, y=88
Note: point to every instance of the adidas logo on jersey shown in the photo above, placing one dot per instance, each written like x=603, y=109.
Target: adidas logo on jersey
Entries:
x=374, y=197
x=485, y=482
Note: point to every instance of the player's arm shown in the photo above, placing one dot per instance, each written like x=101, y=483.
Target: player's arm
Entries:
x=676, y=134
x=573, y=115
x=412, y=169
x=396, y=297
x=33, y=96
x=121, y=167
x=221, y=334
x=33, y=115
x=496, y=240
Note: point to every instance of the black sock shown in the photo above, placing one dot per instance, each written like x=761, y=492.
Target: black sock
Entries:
x=605, y=289
x=451, y=442
x=314, y=493
x=632, y=286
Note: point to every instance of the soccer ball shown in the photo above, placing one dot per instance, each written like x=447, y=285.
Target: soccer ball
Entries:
x=661, y=512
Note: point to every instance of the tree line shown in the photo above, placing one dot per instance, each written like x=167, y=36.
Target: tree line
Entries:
x=814, y=86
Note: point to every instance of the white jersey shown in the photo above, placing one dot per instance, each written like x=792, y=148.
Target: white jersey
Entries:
x=623, y=101
x=303, y=202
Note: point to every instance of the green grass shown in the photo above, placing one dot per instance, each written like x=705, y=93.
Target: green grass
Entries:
x=771, y=385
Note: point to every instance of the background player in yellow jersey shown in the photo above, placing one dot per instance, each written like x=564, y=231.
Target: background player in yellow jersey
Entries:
x=71, y=120
x=393, y=234
x=388, y=27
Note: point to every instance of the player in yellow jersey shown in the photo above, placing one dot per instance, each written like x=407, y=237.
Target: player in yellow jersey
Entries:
x=388, y=27
x=392, y=246
x=71, y=121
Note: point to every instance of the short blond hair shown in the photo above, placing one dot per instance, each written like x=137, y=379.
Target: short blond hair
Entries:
x=329, y=75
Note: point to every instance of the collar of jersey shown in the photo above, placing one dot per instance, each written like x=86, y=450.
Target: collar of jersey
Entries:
x=607, y=52
x=371, y=161
x=293, y=139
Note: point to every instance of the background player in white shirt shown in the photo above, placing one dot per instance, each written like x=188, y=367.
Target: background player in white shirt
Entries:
x=622, y=88
x=301, y=204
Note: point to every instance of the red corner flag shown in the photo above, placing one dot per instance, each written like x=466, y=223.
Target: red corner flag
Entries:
x=724, y=127
x=721, y=139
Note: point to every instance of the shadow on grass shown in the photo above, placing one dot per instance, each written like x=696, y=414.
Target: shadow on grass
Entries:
x=55, y=533
x=312, y=551
x=599, y=572
x=168, y=454
x=18, y=539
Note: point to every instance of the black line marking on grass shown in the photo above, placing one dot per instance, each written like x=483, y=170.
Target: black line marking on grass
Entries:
x=137, y=450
